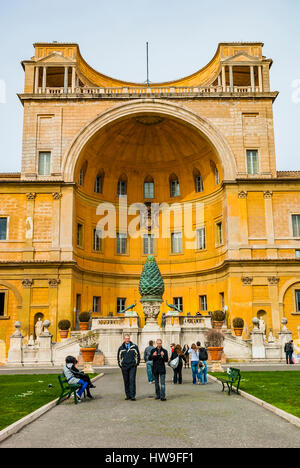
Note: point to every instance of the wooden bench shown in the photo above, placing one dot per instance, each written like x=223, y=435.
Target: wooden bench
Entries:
x=67, y=389
x=232, y=377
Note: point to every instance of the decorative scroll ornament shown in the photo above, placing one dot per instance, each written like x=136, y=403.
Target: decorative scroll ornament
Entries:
x=31, y=196
x=57, y=196
x=273, y=280
x=247, y=280
x=243, y=194
x=27, y=283
x=54, y=283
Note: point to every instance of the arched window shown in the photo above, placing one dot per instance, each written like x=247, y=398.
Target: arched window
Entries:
x=149, y=188
x=122, y=185
x=82, y=173
x=99, y=182
x=198, y=181
x=174, y=186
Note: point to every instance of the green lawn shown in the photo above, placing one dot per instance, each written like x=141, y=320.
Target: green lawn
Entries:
x=280, y=389
x=20, y=395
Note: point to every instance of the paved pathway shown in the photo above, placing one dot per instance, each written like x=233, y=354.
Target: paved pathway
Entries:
x=193, y=416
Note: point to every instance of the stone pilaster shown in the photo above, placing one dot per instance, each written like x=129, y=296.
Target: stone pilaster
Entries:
x=28, y=252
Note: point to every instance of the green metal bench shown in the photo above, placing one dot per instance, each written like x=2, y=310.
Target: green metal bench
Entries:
x=233, y=377
x=67, y=389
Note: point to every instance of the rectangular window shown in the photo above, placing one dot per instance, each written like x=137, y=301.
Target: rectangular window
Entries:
x=297, y=253
x=98, y=184
x=298, y=301
x=296, y=225
x=149, y=190
x=148, y=244
x=203, y=303
x=220, y=233
x=178, y=302
x=44, y=163
x=121, y=243
x=176, y=242
x=252, y=162
x=97, y=240
x=201, y=239
x=121, y=304
x=3, y=228
x=2, y=304
x=79, y=235
x=96, y=304
x=122, y=188
x=199, y=184
x=175, y=188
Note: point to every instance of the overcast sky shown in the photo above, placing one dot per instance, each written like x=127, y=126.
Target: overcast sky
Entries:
x=183, y=37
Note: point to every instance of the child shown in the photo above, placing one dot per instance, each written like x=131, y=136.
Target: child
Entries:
x=75, y=377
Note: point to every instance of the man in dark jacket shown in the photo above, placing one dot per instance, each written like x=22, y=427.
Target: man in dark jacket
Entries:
x=129, y=359
x=159, y=356
x=289, y=350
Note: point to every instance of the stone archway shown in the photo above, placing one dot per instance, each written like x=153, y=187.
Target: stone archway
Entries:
x=150, y=106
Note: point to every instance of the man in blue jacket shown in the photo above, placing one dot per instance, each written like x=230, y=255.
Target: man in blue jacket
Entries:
x=129, y=359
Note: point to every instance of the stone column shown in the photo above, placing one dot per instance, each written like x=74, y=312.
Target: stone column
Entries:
x=252, y=79
x=45, y=347
x=231, y=78
x=66, y=80
x=56, y=221
x=224, y=78
x=15, y=353
x=28, y=252
x=44, y=86
x=258, y=344
x=284, y=336
x=36, y=79
x=26, y=304
x=73, y=79
x=260, y=79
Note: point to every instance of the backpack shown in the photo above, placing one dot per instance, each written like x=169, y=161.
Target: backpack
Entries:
x=203, y=354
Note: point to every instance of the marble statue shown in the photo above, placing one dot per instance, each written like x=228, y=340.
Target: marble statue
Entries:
x=262, y=325
x=38, y=328
x=271, y=337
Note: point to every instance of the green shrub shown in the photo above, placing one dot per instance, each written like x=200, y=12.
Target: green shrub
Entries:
x=84, y=317
x=219, y=316
x=238, y=322
x=214, y=339
x=64, y=325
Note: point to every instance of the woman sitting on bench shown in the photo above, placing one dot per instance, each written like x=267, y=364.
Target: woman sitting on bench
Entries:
x=75, y=377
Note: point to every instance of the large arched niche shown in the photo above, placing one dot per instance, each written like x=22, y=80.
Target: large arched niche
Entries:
x=165, y=110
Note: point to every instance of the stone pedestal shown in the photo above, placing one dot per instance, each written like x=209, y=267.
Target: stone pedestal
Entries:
x=216, y=366
x=15, y=354
x=45, y=350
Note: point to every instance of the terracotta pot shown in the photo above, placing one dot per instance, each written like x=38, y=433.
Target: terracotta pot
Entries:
x=238, y=331
x=64, y=334
x=218, y=325
x=215, y=353
x=84, y=326
x=88, y=354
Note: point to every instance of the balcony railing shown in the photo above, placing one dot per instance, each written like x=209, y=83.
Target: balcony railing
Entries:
x=179, y=91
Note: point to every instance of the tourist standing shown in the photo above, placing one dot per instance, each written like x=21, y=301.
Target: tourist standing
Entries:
x=194, y=354
x=186, y=355
x=159, y=356
x=149, y=364
x=203, y=357
x=129, y=359
x=289, y=351
x=177, y=353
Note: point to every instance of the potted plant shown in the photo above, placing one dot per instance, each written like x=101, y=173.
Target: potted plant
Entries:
x=215, y=340
x=238, y=326
x=84, y=319
x=64, y=327
x=218, y=319
x=88, y=346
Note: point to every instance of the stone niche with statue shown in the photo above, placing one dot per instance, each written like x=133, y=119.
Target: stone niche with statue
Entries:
x=174, y=328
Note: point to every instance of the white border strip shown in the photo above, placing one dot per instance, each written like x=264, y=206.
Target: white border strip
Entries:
x=282, y=414
x=17, y=426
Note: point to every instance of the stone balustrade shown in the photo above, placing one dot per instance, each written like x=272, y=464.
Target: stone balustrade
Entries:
x=150, y=91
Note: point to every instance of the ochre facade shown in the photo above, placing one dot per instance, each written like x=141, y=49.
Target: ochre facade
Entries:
x=205, y=125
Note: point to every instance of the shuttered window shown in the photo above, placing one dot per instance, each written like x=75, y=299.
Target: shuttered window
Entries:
x=252, y=162
x=44, y=163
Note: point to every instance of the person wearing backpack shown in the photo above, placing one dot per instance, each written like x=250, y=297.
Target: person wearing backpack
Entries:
x=149, y=364
x=203, y=357
x=177, y=354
